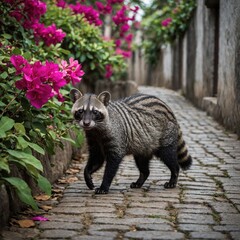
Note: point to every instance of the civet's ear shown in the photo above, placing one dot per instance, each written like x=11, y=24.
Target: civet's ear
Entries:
x=104, y=97
x=75, y=94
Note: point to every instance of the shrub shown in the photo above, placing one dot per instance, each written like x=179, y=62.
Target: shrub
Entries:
x=165, y=25
x=31, y=118
x=84, y=42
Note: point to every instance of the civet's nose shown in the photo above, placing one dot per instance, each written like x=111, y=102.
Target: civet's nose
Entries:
x=86, y=123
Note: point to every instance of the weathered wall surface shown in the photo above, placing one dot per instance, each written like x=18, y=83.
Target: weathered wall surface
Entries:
x=205, y=63
x=229, y=64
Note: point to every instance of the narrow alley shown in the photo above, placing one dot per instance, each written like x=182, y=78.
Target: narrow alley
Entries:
x=205, y=205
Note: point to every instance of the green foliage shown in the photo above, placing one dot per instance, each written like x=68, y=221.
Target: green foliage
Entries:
x=156, y=33
x=22, y=189
x=24, y=129
x=84, y=42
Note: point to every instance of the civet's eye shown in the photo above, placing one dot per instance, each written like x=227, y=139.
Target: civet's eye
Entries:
x=78, y=114
x=95, y=111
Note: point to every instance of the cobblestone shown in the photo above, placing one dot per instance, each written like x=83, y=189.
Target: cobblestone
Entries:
x=205, y=204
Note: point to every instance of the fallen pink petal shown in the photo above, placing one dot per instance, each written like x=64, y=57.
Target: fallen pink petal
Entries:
x=40, y=218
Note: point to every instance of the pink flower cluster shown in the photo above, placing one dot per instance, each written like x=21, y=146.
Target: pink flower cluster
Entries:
x=166, y=22
x=124, y=53
x=44, y=81
x=123, y=39
x=50, y=35
x=115, y=1
x=109, y=71
x=88, y=11
x=121, y=20
x=104, y=9
x=120, y=16
x=29, y=12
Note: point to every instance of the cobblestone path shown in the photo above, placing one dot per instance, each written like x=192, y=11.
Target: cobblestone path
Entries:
x=205, y=205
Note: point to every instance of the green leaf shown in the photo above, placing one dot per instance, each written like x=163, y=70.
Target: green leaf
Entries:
x=20, y=128
x=79, y=139
x=39, y=126
x=7, y=36
x=11, y=70
x=82, y=58
x=44, y=184
x=4, y=165
x=68, y=139
x=53, y=135
x=26, y=158
x=90, y=56
x=17, y=51
x=22, y=142
x=27, y=55
x=2, y=104
x=92, y=66
x=6, y=124
x=4, y=75
x=36, y=147
x=23, y=191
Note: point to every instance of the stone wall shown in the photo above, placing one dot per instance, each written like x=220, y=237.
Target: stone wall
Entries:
x=54, y=167
x=204, y=63
x=118, y=89
x=229, y=65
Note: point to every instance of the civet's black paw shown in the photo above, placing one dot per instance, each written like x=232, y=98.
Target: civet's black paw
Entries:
x=135, y=185
x=100, y=191
x=170, y=185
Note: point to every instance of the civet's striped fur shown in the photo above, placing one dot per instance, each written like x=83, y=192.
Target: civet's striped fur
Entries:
x=141, y=125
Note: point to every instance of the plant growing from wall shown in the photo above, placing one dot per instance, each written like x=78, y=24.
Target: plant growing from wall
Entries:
x=164, y=25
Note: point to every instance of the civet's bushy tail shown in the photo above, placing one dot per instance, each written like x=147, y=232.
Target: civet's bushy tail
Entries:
x=184, y=159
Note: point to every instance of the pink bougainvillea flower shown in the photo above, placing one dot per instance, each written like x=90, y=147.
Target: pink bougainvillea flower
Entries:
x=125, y=54
x=53, y=76
x=61, y=3
x=135, y=9
x=109, y=71
x=114, y=1
x=40, y=218
x=43, y=81
x=89, y=12
x=124, y=28
x=29, y=12
x=166, y=22
x=120, y=16
x=72, y=71
x=129, y=39
x=21, y=84
x=50, y=35
x=60, y=97
x=33, y=10
x=18, y=62
x=103, y=9
x=118, y=43
x=16, y=14
x=39, y=96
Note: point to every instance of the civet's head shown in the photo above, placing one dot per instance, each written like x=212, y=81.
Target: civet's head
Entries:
x=90, y=110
